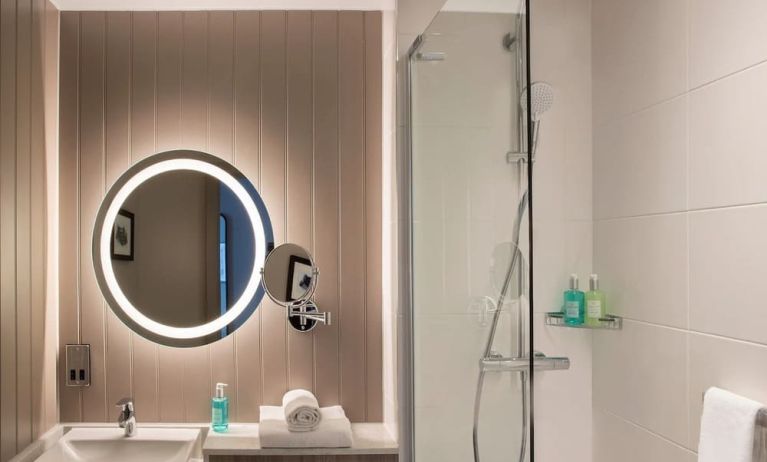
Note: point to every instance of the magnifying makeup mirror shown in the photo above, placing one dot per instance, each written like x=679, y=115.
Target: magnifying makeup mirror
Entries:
x=290, y=278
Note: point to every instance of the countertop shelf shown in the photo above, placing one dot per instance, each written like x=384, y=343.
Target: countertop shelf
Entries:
x=609, y=321
x=242, y=440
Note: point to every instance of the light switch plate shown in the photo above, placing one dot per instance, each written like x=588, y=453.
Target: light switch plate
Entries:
x=78, y=365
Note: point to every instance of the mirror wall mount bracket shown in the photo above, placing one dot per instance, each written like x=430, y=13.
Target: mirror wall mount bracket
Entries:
x=258, y=216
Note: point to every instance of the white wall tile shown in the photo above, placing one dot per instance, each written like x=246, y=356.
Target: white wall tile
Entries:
x=729, y=364
x=616, y=439
x=725, y=37
x=639, y=54
x=640, y=375
x=728, y=250
x=640, y=162
x=642, y=266
x=728, y=141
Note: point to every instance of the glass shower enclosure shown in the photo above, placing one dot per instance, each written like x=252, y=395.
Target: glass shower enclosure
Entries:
x=470, y=168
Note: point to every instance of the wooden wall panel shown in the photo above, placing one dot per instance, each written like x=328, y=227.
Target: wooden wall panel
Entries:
x=285, y=97
x=274, y=358
x=91, y=174
x=25, y=67
x=373, y=215
x=326, y=229
x=8, y=339
x=117, y=158
x=247, y=106
x=299, y=178
x=351, y=143
x=161, y=363
x=70, y=399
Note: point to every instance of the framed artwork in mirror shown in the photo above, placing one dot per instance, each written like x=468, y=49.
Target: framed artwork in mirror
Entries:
x=300, y=274
x=123, y=236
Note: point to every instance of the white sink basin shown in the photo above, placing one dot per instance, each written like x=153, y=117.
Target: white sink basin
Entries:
x=110, y=445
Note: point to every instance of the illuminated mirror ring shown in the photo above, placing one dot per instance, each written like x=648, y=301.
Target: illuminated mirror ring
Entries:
x=180, y=160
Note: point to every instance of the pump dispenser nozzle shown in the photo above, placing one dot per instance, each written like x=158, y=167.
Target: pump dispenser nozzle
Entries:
x=220, y=389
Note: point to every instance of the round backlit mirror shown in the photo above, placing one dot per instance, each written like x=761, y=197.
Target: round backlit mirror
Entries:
x=178, y=245
x=290, y=275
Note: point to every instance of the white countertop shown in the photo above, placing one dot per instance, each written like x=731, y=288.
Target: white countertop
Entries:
x=242, y=439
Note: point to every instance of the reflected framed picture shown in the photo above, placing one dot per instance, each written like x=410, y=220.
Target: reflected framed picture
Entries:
x=300, y=276
x=122, y=236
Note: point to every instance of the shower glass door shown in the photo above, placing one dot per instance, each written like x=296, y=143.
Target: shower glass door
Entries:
x=469, y=175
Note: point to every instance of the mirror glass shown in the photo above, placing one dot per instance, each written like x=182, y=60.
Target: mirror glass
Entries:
x=178, y=246
x=183, y=248
x=289, y=274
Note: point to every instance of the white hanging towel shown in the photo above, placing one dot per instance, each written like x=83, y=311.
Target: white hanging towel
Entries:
x=727, y=428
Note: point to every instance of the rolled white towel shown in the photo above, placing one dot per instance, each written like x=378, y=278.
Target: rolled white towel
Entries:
x=302, y=411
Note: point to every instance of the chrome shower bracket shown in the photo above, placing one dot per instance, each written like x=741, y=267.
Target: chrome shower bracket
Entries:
x=513, y=157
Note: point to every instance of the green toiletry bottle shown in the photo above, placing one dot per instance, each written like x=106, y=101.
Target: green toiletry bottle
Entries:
x=220, y=411
x=595, y=302
x=574, y=303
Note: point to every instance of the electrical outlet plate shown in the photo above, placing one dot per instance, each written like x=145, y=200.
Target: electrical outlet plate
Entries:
x=78, y=365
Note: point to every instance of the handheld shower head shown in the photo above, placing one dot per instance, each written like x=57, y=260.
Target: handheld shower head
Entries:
x=541, y=99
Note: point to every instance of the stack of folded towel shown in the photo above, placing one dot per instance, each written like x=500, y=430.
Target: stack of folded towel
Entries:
x=301, y=423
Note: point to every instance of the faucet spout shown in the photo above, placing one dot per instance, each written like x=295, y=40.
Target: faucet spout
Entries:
x=127, y=417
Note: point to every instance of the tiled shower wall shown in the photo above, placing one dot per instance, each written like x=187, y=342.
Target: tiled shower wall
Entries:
x=28, y=64
x=680, y=198
x=294, y=101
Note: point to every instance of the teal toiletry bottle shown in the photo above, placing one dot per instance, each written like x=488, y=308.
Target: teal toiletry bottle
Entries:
x=595, y=302
x=574, y=303
x=220, y=403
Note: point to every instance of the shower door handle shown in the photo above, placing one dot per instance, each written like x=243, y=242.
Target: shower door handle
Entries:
x=541, y=362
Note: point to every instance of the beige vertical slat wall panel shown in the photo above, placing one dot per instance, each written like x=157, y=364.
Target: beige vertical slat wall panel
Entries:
x=143, y=60
x=246, y=143
x=299, y=175
x=351, y=147
x=221, y=135
x=168, y=370
x=274, y=359
x=326, y=237
x=373, y=214
x=92, y=306
x=70, y=408
x=51, y=119
x=23, y=218
x=170, y=38
x=8, y=340
x=144, y=54
x=38, y=199
x=283, y=96
x=117, y=158
x=195, y=135
x=24, y=72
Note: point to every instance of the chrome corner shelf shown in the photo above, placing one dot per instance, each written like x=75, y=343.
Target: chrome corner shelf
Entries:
x=609, y=321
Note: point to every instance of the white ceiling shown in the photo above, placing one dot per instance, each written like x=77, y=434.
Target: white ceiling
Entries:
x=484, y=6
x=192, y=5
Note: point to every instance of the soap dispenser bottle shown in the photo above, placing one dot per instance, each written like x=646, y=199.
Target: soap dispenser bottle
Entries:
x=595, y=302
x=574, y=303
x=220, y=409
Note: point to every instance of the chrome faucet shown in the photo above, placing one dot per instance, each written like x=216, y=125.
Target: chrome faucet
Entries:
x=127, y=418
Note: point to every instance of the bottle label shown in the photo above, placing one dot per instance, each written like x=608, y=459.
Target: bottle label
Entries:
x=595, y=308
x=218, y=417
x=571, y=310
